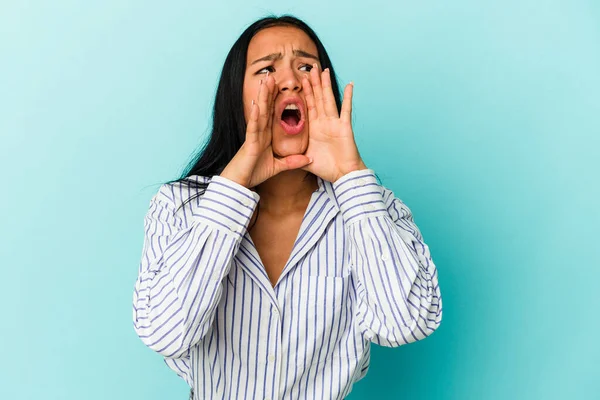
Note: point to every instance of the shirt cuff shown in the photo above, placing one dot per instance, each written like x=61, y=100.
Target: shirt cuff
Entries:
x=359, y=195
x=227, y=205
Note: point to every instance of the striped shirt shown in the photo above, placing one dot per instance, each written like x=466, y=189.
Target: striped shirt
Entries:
x=359, y=272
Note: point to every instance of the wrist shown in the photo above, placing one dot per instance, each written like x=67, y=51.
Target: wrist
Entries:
x=360, y=165
x=236, y=169
x=228, y=174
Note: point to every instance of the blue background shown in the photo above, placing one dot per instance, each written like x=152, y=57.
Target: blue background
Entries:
x=483, y=118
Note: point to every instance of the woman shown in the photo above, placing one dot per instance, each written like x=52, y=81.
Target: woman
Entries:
x=285, y=303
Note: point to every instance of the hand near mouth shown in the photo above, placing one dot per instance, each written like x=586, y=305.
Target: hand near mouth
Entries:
x=331, y=142
x=255, y=162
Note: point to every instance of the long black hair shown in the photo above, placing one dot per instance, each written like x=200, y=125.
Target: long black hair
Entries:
x=228, y=122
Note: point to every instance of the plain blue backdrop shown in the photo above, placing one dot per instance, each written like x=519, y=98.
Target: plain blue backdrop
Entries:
x=483, y=117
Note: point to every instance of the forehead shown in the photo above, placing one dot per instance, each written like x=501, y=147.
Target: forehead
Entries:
x=279, y=39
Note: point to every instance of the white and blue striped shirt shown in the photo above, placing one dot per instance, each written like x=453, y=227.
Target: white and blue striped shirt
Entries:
x=359, y=272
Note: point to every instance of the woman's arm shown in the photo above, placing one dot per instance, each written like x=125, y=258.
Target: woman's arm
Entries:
x=184, y=261
x=396, y=282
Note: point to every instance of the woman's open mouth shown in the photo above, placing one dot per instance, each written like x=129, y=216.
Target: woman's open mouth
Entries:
x=291, y=119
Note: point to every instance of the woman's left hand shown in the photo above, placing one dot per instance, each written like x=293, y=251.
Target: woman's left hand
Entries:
x=331, y=143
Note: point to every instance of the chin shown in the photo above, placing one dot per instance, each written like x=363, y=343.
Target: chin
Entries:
x=284, y=145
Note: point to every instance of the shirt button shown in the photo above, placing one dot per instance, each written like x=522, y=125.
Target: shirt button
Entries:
x=360, y=182
x=271, y=358
x=267, y=398
x=246, y=202
x=275, y=312
x=384, y=257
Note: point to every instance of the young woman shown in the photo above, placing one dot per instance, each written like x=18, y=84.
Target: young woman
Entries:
x=283, y=303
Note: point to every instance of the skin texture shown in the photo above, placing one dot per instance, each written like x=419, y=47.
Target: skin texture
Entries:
x=325, y=147
x=275, y=164
x=287, y=73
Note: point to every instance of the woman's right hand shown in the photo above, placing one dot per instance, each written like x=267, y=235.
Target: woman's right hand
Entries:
x=255, y=162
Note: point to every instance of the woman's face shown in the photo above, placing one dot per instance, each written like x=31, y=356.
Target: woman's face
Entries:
x=286, y=53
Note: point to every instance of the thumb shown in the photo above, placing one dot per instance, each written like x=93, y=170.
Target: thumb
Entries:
x=291, y=162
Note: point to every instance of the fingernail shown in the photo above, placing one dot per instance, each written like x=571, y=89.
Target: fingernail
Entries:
x=268, y=73
x=310, y=160
x=252, y=102
x=260, y=82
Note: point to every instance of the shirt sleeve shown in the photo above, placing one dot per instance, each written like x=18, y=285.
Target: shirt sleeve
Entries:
x=396, y=281
x=184, y=260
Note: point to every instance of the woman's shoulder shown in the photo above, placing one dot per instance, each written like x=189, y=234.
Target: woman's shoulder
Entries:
x=178, y=191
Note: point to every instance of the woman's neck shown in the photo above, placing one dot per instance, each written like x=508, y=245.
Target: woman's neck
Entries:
x=287, y=192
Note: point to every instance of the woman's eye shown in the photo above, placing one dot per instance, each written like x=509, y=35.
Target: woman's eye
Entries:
x=265, y=69
x=307, y=67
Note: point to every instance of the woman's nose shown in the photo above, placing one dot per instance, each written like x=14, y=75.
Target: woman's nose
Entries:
x=289, y=81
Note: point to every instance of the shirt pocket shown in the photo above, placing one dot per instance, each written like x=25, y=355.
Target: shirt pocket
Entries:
x=328, y=292
x=328, y=316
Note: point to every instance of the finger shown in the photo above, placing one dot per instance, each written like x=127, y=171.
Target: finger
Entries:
x=263, y=104
x=259, y=90
x=291, y=162
x=346, y=114
x=328, y=97
x=315, y=81
x=272, y=94
x=310, y=98
x=252, y=127
x=309, y=168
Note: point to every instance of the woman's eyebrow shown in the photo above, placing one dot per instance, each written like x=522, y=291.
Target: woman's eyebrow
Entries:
x=278, y=56
x=302, y=53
